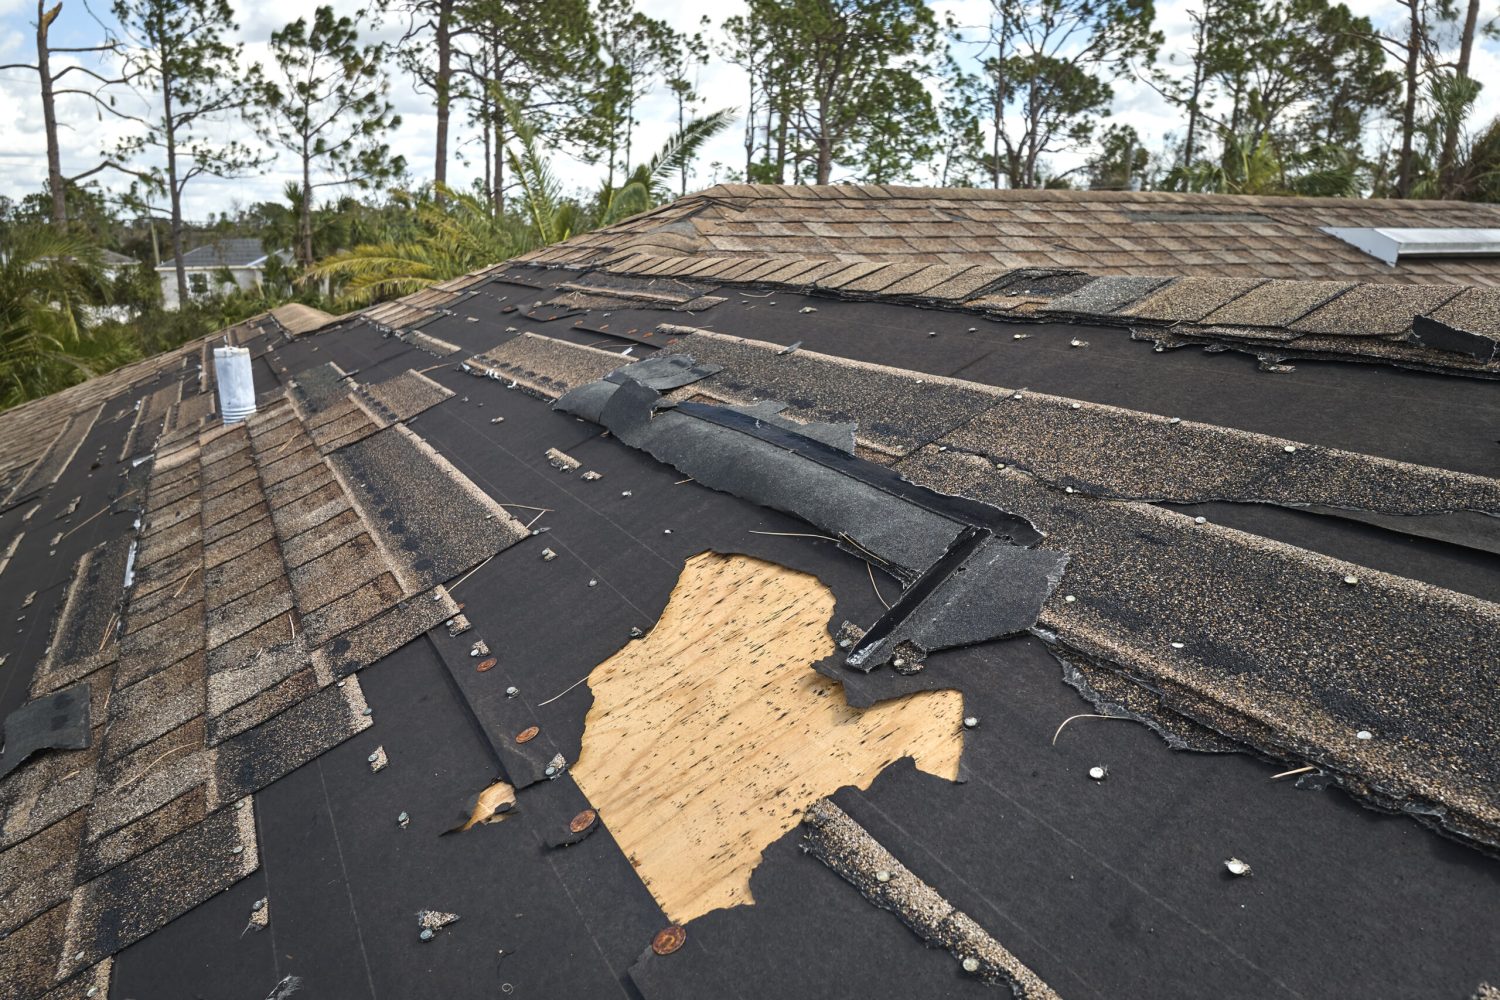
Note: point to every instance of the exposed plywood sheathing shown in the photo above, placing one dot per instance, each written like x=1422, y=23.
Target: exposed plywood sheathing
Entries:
x=709, y=737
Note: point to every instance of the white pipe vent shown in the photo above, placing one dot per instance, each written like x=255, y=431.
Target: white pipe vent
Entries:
x=236, y=383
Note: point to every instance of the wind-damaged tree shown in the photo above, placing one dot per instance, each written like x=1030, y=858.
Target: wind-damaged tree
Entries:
x=1458, y=91
x=329, y=109
x=534, y=51
x=533, y=56
x=1047, y=72
x=97, y=89
x=178, y=48
x=637, y=50
x=1286, y=87
x=837, y=81
x=1121, y=160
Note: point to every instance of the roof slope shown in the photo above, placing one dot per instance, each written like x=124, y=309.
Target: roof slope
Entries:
x=540, y=519
x=1104, y=232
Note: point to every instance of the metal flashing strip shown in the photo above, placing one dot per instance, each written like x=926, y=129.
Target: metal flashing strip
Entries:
x=970, y=569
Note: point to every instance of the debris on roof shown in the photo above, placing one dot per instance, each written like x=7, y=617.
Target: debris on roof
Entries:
x=881, y=549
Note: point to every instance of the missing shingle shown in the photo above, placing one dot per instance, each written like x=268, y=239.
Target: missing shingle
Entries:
x=835, y=839
x=970, y=570
x=698, y=759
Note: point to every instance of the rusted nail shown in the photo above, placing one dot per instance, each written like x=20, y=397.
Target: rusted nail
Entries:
x=583, y=821
x=668, y=940
x=485, y=664
x=527, y=735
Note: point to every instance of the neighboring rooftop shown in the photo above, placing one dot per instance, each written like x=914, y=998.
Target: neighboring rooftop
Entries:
x=678, y=622
x=232, y=252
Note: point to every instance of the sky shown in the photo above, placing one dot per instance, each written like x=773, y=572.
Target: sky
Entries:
x=87, y=132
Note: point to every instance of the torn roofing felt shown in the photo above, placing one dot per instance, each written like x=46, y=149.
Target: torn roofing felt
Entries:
x=1102, y=450
x=970, y=572
x=1176, y=608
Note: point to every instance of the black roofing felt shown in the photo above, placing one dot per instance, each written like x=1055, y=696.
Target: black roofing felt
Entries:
x=1106, y=889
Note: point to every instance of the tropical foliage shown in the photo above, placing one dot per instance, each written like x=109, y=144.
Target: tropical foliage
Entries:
x=48, y=283
x=458, y=232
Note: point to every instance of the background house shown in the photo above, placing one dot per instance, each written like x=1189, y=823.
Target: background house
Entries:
x=215, y=268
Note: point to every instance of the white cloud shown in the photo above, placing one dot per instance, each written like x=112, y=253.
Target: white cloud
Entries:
x=22, y=148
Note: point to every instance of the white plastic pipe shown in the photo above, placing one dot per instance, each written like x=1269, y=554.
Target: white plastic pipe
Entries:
x=236, y=384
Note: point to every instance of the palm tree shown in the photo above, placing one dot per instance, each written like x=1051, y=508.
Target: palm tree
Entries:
x=47, y=280
x=454, y=237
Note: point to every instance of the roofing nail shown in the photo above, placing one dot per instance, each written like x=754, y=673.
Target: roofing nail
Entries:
x=669, y=939
x=1098, y=773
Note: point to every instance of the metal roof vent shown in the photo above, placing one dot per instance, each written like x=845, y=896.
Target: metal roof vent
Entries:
x=1392, y=244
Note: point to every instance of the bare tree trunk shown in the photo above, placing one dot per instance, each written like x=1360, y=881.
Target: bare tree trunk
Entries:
x=1446, y=164
x=304, y=223
x=681, y=124
x=174, y=191
x=442, y=89
x=1404, y=178
x=825, y=142
x=499, y=152
x=55, y=183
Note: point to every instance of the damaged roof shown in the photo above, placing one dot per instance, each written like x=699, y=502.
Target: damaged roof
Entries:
x=709, y=618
